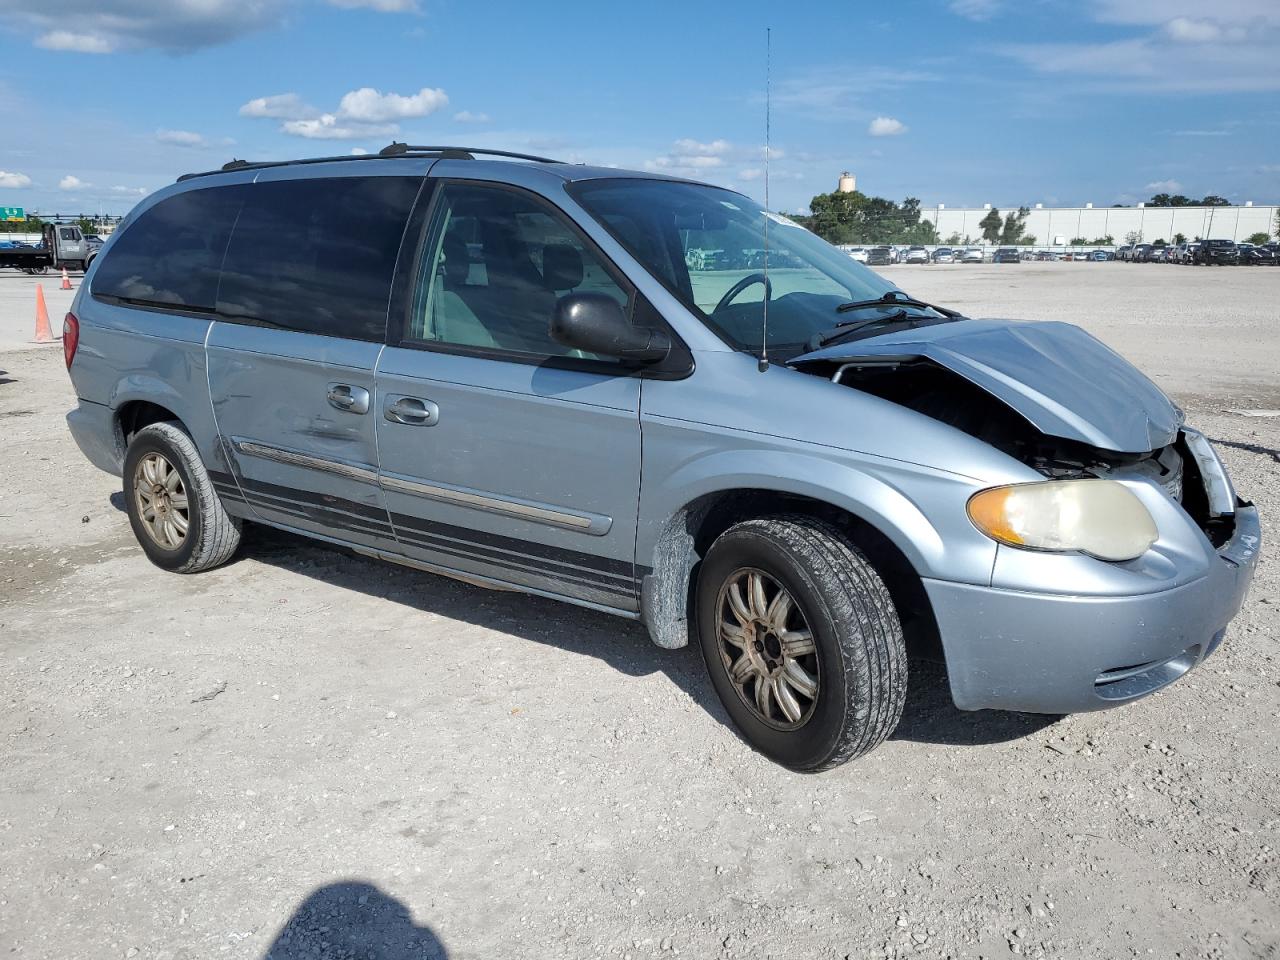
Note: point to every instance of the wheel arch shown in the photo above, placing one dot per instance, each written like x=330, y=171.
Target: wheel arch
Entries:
x=668, y=589
x=142, y=399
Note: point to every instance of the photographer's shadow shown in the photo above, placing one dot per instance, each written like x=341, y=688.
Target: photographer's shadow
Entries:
x=354, y=919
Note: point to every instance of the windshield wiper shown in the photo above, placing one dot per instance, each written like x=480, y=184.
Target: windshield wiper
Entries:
x=849, y=327
x=894, y=298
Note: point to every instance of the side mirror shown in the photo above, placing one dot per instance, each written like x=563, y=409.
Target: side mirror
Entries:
x=595, y=323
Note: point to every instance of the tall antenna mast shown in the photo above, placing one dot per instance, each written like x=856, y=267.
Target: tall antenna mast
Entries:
x=768, y=91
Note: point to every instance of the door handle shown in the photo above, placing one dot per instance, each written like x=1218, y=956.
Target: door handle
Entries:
x=346, y=397
x=413, y=411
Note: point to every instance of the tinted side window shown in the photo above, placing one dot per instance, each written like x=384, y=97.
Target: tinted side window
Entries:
x=317, y=255
x=171, y=254
x=497, y=262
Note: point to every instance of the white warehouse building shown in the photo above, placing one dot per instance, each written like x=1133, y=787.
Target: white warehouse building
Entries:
x=1058, y=226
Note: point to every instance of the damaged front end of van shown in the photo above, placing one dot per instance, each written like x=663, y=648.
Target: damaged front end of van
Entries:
x=1114, y=574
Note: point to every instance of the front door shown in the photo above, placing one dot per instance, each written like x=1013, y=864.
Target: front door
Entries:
x=502, y=453
x=302, y=307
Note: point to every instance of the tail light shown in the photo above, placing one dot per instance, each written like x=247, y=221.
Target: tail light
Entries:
x=70, y=337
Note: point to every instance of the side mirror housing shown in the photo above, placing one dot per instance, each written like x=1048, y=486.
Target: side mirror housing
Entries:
x=595, y=323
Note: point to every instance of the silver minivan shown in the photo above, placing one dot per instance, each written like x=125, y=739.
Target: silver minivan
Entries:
x=513, y=371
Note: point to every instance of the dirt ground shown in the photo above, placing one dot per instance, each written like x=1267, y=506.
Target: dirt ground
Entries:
x=307, y=754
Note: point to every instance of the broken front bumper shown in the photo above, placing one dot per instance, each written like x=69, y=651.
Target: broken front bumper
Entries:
x=1059, y=653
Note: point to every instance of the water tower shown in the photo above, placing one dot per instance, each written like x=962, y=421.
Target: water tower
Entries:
x=848, y=183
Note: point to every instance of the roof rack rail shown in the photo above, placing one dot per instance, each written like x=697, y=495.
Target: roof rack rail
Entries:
x=397, y=149
x=390, y=151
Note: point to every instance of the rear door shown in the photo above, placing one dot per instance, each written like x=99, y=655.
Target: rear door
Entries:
x=302, y=309
x=503, y=454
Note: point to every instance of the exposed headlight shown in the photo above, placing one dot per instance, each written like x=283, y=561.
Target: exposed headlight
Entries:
x=1097, y=517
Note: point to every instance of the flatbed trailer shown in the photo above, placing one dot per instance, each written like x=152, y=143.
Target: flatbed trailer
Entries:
x=61, y=245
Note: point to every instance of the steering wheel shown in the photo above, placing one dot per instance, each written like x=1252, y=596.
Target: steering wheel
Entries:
x=741, y=285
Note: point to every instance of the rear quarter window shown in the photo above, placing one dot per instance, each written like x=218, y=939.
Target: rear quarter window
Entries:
x=317, y=255
x=170, y=255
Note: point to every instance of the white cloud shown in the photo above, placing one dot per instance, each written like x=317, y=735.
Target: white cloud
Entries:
x=177, y=26
x=886, y=127
x=329, y=127
x=70, y=182
x=359, y=152
x=684, y=163
x=467, y=116
x=716, y=148
x=1176, y=46
x=368, y=105
x=975, y=9
x=130, y=191
x=1156, y=12
x=281, y=106
x=813, y=93
x=14, y=181
x=1186, y=30
x=382, y=6
x=361, y=113
x=75, y=42
x=181, y=138
x=1164, y=186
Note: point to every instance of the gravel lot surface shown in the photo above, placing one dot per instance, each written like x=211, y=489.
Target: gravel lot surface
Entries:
x=309, y=754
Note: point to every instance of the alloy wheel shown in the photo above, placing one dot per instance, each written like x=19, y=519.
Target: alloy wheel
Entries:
x=767, y=649
x=161, y=499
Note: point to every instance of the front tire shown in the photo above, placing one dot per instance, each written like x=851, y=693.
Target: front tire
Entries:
x=173, y=509
x=802, y=641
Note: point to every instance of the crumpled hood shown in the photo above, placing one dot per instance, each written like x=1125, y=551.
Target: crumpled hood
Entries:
x=1066, y=382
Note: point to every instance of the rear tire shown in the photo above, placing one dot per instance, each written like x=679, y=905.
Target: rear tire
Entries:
x=833, y=666
x=173, y=509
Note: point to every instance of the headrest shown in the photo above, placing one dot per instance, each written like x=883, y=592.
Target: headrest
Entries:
x=561, y=266
x=457, y=259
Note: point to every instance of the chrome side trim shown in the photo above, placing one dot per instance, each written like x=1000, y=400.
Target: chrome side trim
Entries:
x=589, y=523
x=593, y=524
x=295, y=458
x=488, y=583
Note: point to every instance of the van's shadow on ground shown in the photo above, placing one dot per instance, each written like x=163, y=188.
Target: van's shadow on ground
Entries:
x=353, y=920
x=930, y=716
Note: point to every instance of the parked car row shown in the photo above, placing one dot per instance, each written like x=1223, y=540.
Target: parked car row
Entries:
x=1202, y=253
x=883, y=255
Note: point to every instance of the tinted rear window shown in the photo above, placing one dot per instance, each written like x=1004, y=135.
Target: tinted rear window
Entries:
x=171, y=254
x=317, y=255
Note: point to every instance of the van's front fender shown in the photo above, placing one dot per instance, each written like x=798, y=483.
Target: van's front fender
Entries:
x=920, y=510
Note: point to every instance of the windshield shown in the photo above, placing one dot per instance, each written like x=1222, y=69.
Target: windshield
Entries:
x=706, y=245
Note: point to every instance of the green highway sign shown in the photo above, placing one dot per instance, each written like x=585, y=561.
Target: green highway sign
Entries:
x=13, y=213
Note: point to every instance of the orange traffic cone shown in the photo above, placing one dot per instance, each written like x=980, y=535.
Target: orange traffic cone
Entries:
x=66, y=281
x=43, y=333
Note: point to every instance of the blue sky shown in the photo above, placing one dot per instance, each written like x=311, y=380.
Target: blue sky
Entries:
x=953, y=101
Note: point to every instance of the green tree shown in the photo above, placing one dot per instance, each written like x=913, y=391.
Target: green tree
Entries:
x=990, y=226
x=1015, y=225
x=858, y=218
x=1258, y=238
x=1215, y=201
x=1179, y=238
